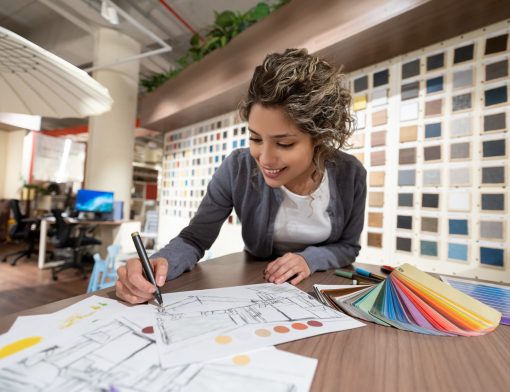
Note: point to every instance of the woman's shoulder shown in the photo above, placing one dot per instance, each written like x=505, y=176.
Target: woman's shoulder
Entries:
x=342, y=162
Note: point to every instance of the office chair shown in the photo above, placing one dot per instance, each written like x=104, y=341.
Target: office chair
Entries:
x=23, y=229
x=76, y=244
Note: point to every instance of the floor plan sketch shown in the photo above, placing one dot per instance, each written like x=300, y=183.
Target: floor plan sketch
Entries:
x=39, y=329
x=209, y=324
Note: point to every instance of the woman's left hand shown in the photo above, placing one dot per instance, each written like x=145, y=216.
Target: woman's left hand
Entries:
x=285, y=267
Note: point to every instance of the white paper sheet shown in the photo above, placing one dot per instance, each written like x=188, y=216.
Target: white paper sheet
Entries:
x=115, y=356
x=203, y=325
x=33, y=331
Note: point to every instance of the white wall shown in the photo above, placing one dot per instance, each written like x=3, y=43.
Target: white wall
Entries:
x=11, y=152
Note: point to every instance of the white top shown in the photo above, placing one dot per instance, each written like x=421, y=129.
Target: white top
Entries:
x=302, y=220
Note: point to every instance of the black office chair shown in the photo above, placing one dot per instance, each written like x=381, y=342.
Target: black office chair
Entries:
x=65, y=239
x=24, y=229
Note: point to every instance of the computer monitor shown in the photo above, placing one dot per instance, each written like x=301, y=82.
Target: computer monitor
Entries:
x=94, y=201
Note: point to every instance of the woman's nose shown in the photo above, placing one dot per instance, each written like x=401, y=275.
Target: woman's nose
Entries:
x=267, y=156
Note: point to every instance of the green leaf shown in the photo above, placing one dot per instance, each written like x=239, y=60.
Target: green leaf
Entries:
x=260, y=11
x=227, y=25
x=225, y=18
x=195, y=40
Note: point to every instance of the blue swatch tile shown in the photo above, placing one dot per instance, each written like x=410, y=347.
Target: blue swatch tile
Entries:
x=435, y=85
x=406, y=177
x=494, y=148
x=495, y=96
x=458, y=252
x=432, y=130
x=492, y=256
x=428, y=248
x=458, y=226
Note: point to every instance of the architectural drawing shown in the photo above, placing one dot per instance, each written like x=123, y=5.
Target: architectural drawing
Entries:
x=63, y=323
x=116, y=356
x=208, y=324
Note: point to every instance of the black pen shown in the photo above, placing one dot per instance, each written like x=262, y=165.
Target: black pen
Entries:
x=149, y=274
x=354, y=275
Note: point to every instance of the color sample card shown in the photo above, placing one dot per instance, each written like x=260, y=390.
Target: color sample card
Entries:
x=494, y=122
x=411, y=300
x=410, y=69
x=492, y=256
x=457, y=252
x=458, y=227
x=464, y=53
x=381, y=78
x=491, y=230
x=405, y=199
x=404, y=244
x=435, y=61
x=494, y=295
x=430, y=200
x=496, y=44
x=496, y=70
x=428, y=248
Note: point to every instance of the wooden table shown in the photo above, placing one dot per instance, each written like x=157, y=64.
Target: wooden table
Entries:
x=371, y=358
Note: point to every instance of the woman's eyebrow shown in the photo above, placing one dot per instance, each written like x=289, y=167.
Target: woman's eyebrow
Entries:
x=281, y=136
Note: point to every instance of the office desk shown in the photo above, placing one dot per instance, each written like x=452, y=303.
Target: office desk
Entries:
x=109, y=232
x=371, y=358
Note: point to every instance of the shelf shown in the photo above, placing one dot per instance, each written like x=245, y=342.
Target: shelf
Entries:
x=355, y=34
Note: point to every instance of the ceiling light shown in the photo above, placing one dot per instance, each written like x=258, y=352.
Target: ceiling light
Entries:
x=109, y=13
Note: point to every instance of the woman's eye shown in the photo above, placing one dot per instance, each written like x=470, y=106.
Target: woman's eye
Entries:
x=285, y=145
x=252, y=139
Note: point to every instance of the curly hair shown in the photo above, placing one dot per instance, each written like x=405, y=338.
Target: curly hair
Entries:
x=312, y=93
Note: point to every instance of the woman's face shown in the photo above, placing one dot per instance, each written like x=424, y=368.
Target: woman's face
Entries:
x=283, y=153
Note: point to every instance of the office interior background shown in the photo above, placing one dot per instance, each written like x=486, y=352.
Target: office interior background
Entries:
x=429, y=81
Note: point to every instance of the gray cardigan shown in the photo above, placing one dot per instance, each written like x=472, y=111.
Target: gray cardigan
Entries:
x=238, y=184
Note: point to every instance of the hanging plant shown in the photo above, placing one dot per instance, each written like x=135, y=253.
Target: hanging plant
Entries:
x=227, y=25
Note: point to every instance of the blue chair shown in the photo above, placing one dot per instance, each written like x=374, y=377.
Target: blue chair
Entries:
x=104, y=274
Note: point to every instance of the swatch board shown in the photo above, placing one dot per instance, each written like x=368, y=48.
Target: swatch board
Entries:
x=432, y=132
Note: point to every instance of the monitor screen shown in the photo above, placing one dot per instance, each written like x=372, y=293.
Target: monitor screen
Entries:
x=94, y=201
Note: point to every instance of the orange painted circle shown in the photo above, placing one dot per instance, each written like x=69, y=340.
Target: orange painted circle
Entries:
x=223, y=339
x=281, y=329
x=263, y=333
x=241, y=360
x=299, y=326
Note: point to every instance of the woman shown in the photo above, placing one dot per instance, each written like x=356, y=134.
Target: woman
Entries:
x=299, y=198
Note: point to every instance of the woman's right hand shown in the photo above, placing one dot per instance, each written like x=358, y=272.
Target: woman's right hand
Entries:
x=131, y=285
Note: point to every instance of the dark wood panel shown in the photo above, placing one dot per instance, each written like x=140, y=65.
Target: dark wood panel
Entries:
x=215, y=85
x=364, y=359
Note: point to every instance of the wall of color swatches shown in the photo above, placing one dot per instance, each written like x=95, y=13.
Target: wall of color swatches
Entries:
x=191, y=156
x=433, y=135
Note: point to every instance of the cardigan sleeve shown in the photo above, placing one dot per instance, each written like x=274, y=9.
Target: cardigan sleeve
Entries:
x=184, y=251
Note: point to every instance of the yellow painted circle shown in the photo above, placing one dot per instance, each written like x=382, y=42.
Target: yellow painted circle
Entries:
x=264, y=333
x=241, y=360
x=19, y=345
x=223, y=339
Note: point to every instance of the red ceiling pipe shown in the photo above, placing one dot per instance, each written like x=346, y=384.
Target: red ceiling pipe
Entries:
x=180, y=19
